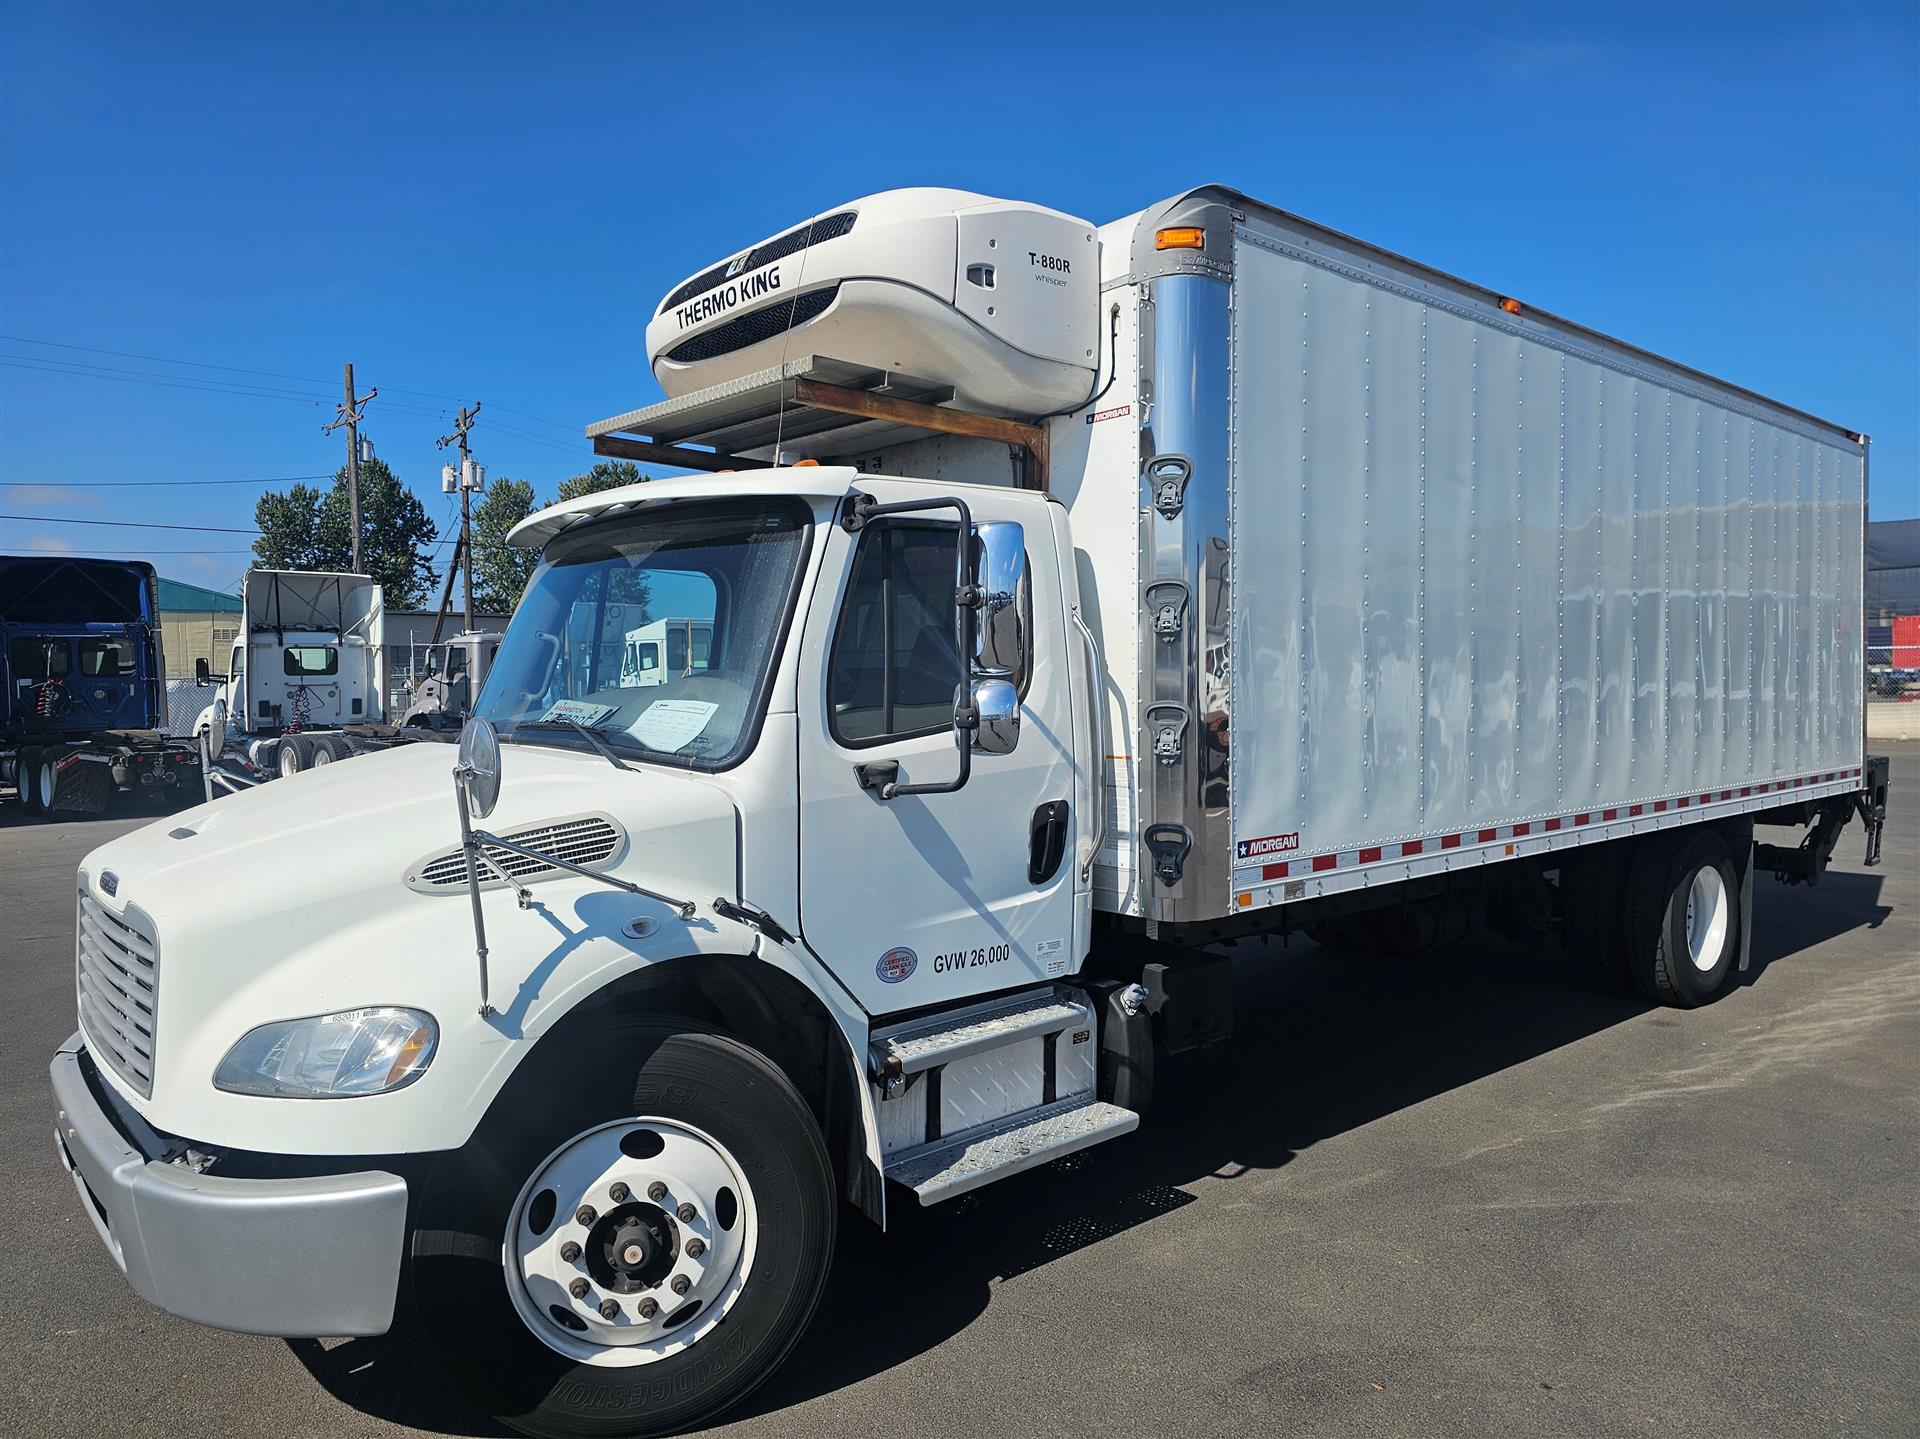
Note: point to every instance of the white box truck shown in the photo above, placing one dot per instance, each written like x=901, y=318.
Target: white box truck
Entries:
x=306, y=664
x=1072, y=599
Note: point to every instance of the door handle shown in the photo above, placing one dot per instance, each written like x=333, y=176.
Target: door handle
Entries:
x=1046, y=841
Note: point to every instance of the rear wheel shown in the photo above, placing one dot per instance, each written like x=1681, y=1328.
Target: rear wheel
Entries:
x=1683, y=918
x=26, y=780
x=291, y=756
x=629, y=1258
x=47, y=784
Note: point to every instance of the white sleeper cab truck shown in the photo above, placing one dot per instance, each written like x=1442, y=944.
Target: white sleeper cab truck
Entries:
x=1058, y=602
x=305, y=665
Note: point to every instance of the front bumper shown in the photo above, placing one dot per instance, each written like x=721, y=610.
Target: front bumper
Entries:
x=309, y=1257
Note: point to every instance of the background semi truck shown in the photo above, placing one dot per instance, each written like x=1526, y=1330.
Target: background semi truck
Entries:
x=306, y=664
x=1073, y=599
x=83, y=704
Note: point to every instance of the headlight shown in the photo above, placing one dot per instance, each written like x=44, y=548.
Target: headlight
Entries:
x=331, y=1056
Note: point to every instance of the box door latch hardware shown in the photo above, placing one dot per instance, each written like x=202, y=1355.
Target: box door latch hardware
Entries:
x=1167, y=477
x=1167, y=605
x=1168, y=725
x=1169, y=844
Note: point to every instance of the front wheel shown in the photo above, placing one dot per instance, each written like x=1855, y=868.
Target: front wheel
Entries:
x=628, y=1258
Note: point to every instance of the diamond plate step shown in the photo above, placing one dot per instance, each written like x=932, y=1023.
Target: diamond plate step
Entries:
x=950, y=1167
x=947, y=1037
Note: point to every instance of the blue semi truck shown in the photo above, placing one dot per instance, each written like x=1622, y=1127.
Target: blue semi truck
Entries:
x=83, y=685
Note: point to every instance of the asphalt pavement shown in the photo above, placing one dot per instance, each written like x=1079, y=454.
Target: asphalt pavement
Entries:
x=1457, y=1196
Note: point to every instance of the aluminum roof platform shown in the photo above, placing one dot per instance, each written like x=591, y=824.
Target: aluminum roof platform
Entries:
x=814, y=408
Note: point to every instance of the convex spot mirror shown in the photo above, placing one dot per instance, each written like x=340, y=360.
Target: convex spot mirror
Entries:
x=1004, y=620
x=479, y=769
x=996, y=706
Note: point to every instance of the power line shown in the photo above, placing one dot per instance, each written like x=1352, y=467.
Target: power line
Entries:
x=130, y=524
x=122, y=550
x=151, y=484
x=269, y=374
x=204, y=387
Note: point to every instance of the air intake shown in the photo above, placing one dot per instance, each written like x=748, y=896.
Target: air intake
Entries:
x=750, y=329
x=592, y=841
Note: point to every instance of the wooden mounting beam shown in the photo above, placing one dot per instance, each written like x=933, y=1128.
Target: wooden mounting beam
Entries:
x=620, y=447
x=838, y=398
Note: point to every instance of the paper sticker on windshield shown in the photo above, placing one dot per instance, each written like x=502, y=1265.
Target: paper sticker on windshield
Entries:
x=579, y=711
x=670, y=725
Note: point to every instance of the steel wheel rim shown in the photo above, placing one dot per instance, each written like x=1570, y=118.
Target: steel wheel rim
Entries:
x=49, y=779
x=322, y=755
x=714, y=1257
x=289, y=758
x=1707, y=918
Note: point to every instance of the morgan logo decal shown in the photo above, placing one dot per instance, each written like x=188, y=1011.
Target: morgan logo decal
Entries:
x=1113, y=414
x=1271, y=845
x=897, y=964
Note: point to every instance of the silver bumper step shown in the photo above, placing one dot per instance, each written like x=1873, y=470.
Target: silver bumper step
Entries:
x=950, y=1167
x=940, y=1040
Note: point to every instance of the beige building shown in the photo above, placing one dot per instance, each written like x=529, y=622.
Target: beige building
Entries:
x=196, y=624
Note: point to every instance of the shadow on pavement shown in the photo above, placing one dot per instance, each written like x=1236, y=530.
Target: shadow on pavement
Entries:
x=1325, y=1042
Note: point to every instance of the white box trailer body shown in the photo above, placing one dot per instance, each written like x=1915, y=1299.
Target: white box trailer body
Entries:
x=313, y=651
x=1452, y=579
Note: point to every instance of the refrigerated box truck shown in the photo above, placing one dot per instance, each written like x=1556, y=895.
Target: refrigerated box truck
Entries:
x=1073, y=598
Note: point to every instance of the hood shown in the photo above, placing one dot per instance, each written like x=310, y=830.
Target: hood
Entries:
x=294, y=899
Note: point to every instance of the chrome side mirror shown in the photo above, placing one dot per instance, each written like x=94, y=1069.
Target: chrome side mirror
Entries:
x=479, y=769
x=996, y=707
x=1004, y=620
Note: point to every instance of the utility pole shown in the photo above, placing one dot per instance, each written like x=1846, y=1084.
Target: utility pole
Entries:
x=350, y=414
x=471, y=477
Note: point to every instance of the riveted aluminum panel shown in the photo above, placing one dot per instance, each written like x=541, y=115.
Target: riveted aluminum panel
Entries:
x=1487, y=571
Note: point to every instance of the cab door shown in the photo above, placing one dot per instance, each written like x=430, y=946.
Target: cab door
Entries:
x=925, y=898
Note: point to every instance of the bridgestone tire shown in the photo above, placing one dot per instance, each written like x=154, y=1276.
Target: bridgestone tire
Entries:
x=708, y=1081
x=1661, y=948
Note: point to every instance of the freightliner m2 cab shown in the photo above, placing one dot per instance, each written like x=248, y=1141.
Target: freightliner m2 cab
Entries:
x=1053, y=603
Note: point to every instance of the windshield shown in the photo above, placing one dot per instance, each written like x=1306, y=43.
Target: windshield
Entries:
x=656, y=630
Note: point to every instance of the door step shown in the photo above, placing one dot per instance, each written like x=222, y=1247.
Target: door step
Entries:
x=944, y=1038
x=949, y=1167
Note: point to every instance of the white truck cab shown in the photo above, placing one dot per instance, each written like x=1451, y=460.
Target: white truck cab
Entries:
x=1098, y=596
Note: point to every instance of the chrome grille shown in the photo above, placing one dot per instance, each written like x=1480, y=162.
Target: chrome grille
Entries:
x=590, y=842
x=117, y=972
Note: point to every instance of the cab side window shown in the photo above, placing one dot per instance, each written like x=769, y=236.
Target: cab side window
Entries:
x=895, y=667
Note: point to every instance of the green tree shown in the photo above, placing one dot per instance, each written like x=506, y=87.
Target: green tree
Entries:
x=500, y=571
x=307, y=529
x=605, y=475
x=287, y=534
x=629, y=586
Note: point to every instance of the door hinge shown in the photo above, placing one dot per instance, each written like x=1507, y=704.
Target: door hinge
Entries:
x=753, y=917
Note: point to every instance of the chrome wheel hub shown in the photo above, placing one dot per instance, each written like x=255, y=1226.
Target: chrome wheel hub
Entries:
x=630, y=1242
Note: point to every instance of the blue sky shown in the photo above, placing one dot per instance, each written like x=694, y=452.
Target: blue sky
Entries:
x=483, y=203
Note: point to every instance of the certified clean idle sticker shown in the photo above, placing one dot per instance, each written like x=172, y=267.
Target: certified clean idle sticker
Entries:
x=896, y=964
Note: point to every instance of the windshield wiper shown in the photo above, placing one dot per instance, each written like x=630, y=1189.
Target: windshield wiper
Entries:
x=592, y=739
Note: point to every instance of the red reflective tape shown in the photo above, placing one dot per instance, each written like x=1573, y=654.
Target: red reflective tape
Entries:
x=1683, y=802
x=1635, y=810
x=1706, y=799
x=1412, y=846
x=1580, y=819
x=1368, y=856
x=1746, y=790
x=1609, y=814
x=1659, y=806
x=1520, y=829
x=1274, y=871
x=1325, y=861
x=1487, y=834
x=1449, y=841
x=1553, y=824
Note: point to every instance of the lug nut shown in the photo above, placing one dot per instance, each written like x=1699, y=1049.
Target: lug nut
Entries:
x=618, y=1194
x=647, y=1308
x=569, y=1251
x=585, y=1214
x=609, y=1309
x=685, y=1212
x=656, y=1191
x=681, y=1284
x=578, y=1289
x=696, y=1247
